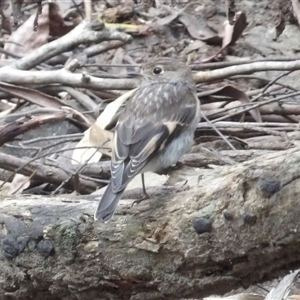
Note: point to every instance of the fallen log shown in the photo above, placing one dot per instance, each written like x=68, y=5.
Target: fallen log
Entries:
x=237, y=226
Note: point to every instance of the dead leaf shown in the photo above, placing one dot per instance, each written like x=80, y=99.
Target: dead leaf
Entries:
x=195, y=45
x=235, y=94
x=119, y=12
x=97, y=136
x=101, y=137
x=25, y=40
x=19, y=184
x=96, y=141
x=9, y=131
x=77, y=116
x=281, y=291
x=31, y=95
x=280, y=27
x=241, y=296
x=199, y=30
x=233, y=32
x=196, y=28
x=167, y=20
x=296, y=8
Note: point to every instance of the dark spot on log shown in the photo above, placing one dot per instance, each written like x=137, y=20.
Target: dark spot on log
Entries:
x=9, y=248
x=45, y=248
x=269, y=185
x=97, y=26
x=12, y=247
x=202, y=225
x=250, y=218
x=265, y=244
x=228, y=215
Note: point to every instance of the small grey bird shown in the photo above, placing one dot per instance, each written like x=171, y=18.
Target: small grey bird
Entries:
x=154, y=130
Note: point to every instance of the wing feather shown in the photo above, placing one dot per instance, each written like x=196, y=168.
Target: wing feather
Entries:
x=137, y=139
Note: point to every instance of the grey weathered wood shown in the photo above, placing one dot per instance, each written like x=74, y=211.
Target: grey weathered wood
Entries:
x=151, y=250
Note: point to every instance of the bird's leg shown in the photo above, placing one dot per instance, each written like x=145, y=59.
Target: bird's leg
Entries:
x=145, y=195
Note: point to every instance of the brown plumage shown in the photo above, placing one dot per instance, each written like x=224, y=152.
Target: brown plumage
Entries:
x=154, y=130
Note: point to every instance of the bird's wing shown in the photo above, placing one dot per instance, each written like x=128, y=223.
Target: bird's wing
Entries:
x=140, y=136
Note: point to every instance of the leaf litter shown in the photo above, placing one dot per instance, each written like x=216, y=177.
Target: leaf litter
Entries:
x=69, y=128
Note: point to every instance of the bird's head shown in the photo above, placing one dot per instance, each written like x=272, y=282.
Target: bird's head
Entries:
x=165, y=69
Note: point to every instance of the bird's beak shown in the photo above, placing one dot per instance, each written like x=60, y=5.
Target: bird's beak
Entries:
x=133, y=74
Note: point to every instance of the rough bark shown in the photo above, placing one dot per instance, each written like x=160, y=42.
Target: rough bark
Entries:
x=238, y=225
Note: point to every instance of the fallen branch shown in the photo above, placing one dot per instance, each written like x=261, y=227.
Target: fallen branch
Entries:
x=63, y=76
x=85, y=32
x=208, y=76
x=11, y=130
x=236, y=227
x=56, y=175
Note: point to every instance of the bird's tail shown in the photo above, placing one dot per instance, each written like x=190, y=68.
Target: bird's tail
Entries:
x=107, y=205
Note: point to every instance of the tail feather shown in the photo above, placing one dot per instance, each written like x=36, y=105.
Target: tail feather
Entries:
x=107, y=205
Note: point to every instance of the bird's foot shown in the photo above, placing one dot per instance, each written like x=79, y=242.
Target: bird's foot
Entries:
x=143, y=198
x=181, y=186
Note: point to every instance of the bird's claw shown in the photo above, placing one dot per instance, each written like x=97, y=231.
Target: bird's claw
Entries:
x=143, y=198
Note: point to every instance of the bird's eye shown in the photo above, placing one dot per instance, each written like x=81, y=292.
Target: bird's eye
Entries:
x=157, y=70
